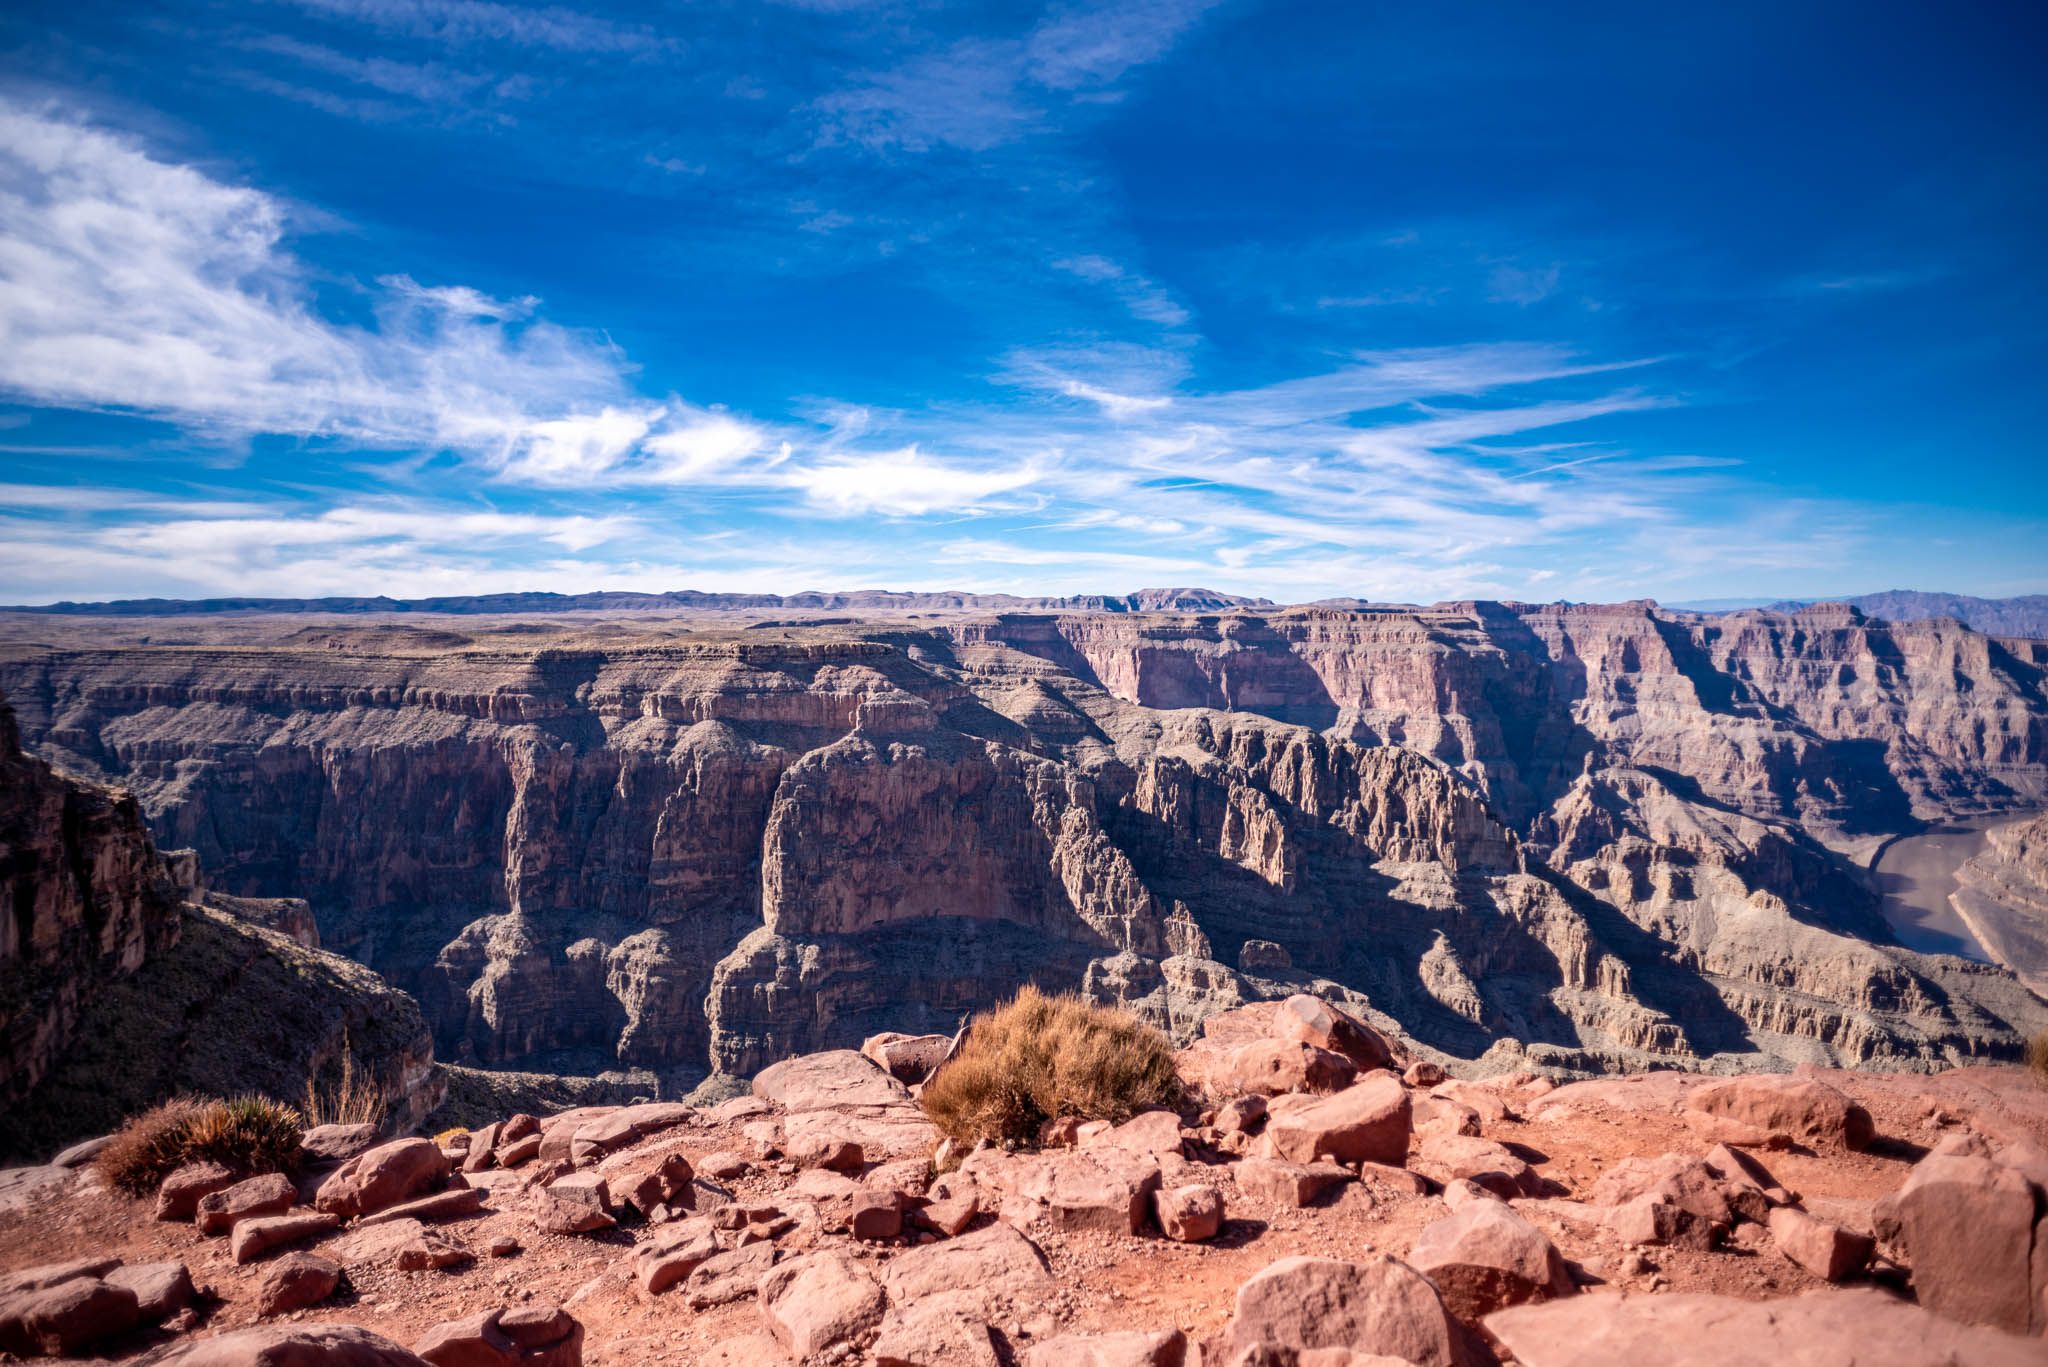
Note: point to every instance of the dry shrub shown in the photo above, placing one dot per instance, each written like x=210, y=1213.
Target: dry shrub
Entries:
x=2037, y=1055
x=354, y=1100
x=248, y=1134
x=1036, y=1057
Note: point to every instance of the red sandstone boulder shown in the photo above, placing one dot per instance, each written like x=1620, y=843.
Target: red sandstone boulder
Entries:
x=1289, y=1185
x=1366, y=1122
x=1773, y=1110
x=666, y=1184
x=1827, y=1251
x=1272, y=1067
x=382, y=1177
x=909, y=1059
x=531, y=1336
x=1490, y=1165
x=1381, y=1305
x=947, y=1330
x=995, y=1259
x=1861, y=1328
x=674, y=1254
x=1314, y=1021
x=1966, y=1225
x=1134, y=1348
x=1153, y=1132
x=180, y=1194
x=64, y=1318
x=820, y=1303
x=254, y=1238
x=296, y=1281
x=161, y=1289
x=831, y=1152
x=1189, y=1214
x=271, y=1193
x=311, y=1345
x=1100, y=1187
x=337, y=1143
x=1485, y=1257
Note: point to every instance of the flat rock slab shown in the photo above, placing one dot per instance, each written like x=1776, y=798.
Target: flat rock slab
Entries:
x=987, y=1262
x=1855, y=1328
x=832, y=1080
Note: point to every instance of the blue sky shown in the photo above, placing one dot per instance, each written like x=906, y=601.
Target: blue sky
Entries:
x=1400, y=301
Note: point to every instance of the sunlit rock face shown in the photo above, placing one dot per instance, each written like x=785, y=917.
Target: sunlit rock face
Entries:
x=1594, y=835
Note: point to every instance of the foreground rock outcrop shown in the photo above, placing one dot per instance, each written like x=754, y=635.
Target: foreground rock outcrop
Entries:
x=818, y=1218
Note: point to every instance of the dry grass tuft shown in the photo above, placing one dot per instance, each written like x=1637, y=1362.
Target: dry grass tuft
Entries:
x=248, y=1134
x=354, y=1100
x=1036, y=1057
x=2037, y=1055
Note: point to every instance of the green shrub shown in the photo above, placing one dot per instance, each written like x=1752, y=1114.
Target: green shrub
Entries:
x=246, y=1135
x=1037, y=1057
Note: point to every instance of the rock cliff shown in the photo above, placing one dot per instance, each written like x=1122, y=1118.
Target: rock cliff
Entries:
x=123, y=981
x=1587, y=837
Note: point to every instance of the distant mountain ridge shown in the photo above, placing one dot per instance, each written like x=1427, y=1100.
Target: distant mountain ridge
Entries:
x=2026, y=615
x=1144, y=600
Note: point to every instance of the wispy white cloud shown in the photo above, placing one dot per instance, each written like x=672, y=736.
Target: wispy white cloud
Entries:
x=474, y=21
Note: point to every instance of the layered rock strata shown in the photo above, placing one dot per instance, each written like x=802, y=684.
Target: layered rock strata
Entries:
x=1584, y=837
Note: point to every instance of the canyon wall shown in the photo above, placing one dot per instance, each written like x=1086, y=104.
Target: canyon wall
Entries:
x=1587, y=836
x=124, y=981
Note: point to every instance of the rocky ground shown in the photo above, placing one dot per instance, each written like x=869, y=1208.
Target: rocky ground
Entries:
x=1308, y=1207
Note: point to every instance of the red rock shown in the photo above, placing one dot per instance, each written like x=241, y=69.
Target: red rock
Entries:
x=382, y=1177
x=283, y=1345
x=453, y=1204
x=946, y=1330
x=584, y=1189
x=1676, y=1178
x=1483, y=1161
x=179, y=1196
x=949, y=1215
x=483, y=1149
x=729, y=1276
x=519, y=1151
x=828, y=1081
x=1153, y=1132
x=272, y=1193
x=296, y=1281
x=674, y=1254
x=553, y=1215
x=337, y=1143
x=907, y=1058
x=530, y=1336
x=1399, y=1179
x=1189, y=1214
x=1241, y=1115
x=1380, y=1305
x=1779, y=1106
x=64, y=1318
x=1102, y=1188
x=1367, y=1122
x=825, y=1151
x=1134, y=1348
x=46, y=1275
x=997, y=1258
x=1423, y=1074
x=427, y=1251
x=1744, y=1170
x=1269, y=1067
x=1314, y=1021
x=253, y=1238
x=1440, y=1115
x=876, y=1215
x=819, y=1303
x=1827, y=1251
x=1653, y=1219
x=161, y=1289
x=625, y=1127
x=724, y=1165
x=1290, y=1185
x=1485, y=1257
x=1966, y=1227
x=1859, y=1328
x=667, y=1183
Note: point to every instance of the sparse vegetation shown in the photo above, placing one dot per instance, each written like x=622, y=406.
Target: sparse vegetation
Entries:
x=1036, y=1057
x=247, y=1134
x=353, y=1100
x=2037, y=1055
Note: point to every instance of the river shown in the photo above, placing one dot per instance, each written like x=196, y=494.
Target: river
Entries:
x=1917, y=873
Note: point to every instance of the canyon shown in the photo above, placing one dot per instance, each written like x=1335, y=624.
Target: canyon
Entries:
x=1579, y=838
